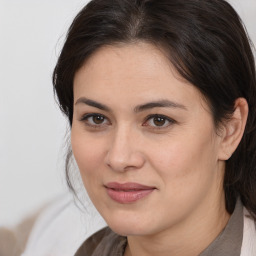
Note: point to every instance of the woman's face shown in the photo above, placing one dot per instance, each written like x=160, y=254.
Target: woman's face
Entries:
x=144, y=141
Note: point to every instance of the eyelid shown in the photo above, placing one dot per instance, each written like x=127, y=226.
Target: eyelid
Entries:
x=85, y=118
x=107, y=122
x=170, y=120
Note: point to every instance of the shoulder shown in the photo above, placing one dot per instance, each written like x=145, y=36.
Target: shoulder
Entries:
x=249, y=235
x=103, y=243
x=89, y=246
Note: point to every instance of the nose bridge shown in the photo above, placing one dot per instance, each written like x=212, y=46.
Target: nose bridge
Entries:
x=124, y=152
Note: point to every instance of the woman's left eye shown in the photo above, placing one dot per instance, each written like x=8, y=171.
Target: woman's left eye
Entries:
x=158, y=121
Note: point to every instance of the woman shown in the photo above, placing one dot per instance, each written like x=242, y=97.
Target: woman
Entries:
x=161, y=100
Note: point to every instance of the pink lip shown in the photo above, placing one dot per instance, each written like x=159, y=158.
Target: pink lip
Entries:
x=127, y=192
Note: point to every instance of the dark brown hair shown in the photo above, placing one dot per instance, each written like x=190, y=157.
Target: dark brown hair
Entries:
x=206, y=42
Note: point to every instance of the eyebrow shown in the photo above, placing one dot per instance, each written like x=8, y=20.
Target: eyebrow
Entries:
x=92, y=103
x=159, y=104
x=139, y=108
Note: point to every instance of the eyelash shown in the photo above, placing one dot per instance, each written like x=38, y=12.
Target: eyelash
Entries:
x=86, y=117
x=92, y=124
x=163, y=117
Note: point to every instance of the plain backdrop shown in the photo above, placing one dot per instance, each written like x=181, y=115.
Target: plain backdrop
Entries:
x=32, y=129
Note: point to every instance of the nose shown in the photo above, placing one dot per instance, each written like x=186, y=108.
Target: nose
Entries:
x=123, y=153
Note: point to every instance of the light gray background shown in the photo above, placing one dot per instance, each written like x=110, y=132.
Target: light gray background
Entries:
x=32, y=129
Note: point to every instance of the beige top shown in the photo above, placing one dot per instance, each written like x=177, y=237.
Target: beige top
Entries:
x=228, y=243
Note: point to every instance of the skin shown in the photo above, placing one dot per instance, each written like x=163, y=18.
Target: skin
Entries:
x=181, y=155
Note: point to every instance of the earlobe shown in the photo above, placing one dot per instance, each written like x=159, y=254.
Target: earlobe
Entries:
x=233, y=129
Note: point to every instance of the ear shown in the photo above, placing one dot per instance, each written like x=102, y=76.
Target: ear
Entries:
x=233, y=129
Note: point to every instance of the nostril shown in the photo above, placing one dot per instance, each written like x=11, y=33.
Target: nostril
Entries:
x=121, y=162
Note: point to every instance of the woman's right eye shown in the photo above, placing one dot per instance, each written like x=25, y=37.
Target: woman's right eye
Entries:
x=95, y=120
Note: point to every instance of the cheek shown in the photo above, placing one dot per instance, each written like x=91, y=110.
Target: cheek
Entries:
x=187, y=173
x=89, y=155
x=185, y=163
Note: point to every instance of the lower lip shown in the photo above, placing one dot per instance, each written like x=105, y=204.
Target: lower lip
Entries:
x=126, y=197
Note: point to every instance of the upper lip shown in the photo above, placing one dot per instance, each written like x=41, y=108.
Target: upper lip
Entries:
x=128, y=186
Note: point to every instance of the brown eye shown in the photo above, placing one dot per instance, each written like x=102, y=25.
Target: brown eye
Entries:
x=97, y=119
x=159, y=121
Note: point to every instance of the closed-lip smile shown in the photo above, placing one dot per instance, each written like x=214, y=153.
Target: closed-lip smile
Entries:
x=129, y=192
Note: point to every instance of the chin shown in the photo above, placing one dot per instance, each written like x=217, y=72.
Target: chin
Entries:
x=127, y=230
x=126, y=227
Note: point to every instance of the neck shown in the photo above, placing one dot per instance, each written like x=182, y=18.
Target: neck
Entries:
x=190, y=238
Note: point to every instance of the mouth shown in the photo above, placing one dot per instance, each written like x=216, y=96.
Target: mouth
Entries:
x=127, y=192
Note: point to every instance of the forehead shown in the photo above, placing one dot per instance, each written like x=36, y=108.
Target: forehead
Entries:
x=139, y=71
x=133, y=58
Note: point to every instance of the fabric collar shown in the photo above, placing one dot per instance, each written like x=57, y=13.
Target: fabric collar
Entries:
x=229, y=241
